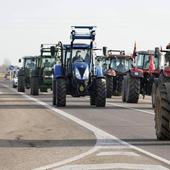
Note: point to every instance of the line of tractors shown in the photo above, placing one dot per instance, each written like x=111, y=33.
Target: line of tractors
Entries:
x=77, y=69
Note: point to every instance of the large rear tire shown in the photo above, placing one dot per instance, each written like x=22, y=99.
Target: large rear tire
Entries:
x=133, y=89
x=35, y=85
x=109, y=86
x=60, y=92
x=21, y=81
x=54, y=91
x=162, y=112
x=100, y=92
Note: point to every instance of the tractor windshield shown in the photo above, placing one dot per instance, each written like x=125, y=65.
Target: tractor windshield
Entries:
x=81, y=55
x=30, y=63
x=48, y=62
x=142, y=61
x=120, y=64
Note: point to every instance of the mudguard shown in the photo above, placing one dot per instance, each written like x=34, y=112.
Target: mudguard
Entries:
x=135, y=72
x=57, y=70
x=167, y=85
x=99, y=71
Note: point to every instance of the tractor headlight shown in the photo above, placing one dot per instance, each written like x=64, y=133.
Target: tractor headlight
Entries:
x=77, y=74
x=86, y=74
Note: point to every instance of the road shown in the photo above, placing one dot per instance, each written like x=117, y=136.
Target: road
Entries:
x=35, y=135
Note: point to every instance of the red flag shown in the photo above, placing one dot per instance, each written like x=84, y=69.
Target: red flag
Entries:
x=151, y=63
x=134, y=51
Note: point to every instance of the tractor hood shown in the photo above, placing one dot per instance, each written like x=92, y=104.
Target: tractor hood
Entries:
x=81, y=70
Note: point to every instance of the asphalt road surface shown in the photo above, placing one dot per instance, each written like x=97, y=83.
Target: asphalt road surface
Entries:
x=36, y=135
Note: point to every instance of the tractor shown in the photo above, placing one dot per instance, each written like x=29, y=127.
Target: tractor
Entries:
x=140, y=78
x=41, y=77
x=117, y=65
x=24, y=74
x=162, y=98
x=75, y=73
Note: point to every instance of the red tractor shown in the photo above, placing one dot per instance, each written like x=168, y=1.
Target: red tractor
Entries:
x=117, y=66
x=162, y=99
x=140, y=77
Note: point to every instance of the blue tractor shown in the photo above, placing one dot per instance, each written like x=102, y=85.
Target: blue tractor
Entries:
x=75, y=72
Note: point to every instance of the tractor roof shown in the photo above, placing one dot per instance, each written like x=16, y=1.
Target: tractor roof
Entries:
x=119, y=56
x=28, y=57
x=77, y=46
x=146, y=52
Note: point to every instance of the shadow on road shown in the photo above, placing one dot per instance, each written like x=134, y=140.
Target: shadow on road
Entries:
x=147, y=142
x=47, y=143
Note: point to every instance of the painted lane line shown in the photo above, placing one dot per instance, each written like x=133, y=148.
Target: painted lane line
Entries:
x=100, y=134
x=112, y=166
x=131, y=108
x=117, y=153
x=127, y=107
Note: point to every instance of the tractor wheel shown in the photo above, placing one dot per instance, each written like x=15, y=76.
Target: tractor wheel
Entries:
x=124, y=84
x=54, y=91
x=109, y=86
x=93, y=95
x=21, y=81
x=100, y=92
x=162, y=113
x=60, y=92
x=153, y=94
x=34, y=85
x=132, y=89
x=118, y=88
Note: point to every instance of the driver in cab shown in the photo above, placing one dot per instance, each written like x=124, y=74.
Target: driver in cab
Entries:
x=77, y=57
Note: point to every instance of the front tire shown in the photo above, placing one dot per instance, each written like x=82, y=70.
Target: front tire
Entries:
x=109, y=86
x=132, y=89
x=60, y=92
x=153, y=94
x=124, y=84
x=21, y=81
x=35, y=85
x=100, y=92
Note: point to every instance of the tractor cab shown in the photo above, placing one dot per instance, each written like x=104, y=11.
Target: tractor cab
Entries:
x=47, y=59
x=120, y=62
x=147, y=61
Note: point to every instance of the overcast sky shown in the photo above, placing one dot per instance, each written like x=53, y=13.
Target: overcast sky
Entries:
x=25, y=24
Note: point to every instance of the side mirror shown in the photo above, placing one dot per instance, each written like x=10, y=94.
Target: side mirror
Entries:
x=52, y=50
x=105, y=51
x=19, y=60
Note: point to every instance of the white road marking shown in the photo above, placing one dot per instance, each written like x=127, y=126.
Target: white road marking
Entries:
x=117, y=153
x=131, y=108
x=112, y=166
x=101, y=136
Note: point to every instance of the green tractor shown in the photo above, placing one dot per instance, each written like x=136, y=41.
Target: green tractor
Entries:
x=24, y=74
x=41, y=77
